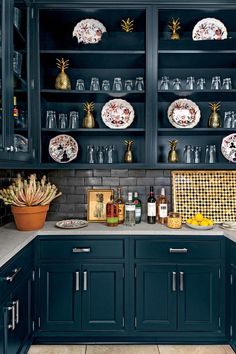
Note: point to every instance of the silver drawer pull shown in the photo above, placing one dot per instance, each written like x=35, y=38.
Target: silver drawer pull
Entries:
x=85, y=280
x=76, y=281
x=12, y=326
x=181, y=281
x=16, y=304
x=81, y=250
x=11, y=278
x=173, y=281
x=178, y=250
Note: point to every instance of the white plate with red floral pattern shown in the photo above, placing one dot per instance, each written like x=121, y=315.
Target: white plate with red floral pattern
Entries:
x=117, y=114
x=89, y=31
x=184, y=113
x=228, y=147
x=63, y=148
x=209, y=29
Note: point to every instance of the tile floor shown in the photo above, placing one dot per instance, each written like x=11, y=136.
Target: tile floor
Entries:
x=130, y=349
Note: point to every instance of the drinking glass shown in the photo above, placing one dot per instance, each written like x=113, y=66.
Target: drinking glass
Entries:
x=188, y=154
x=128, y=85
x=228, y=119
x=110, y=154
x=210, y=154
x=201, y=84
x=100, y=154
x=215, y=83
x=227, y=84
x=17, y=63
x=177, y=84
x=62, y=121
x=139, y=84
x=51, y=119
x=233, y=123
x=190, y=83
x=197, y=154
x=106, y=85
x=91, y=154
x=165, y=83
x=117, y=84
x=80, y=85
x=74, y=120
x=94, y=85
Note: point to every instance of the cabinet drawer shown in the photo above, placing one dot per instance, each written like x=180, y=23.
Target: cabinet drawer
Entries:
x=173, y=250
x=15, y=270
x=80, y=249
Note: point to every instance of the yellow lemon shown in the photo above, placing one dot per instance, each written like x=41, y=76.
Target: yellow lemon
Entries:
x=194, y=222
x=204, y=223
x=210, y=222
x=199, y=217
x=189, y=221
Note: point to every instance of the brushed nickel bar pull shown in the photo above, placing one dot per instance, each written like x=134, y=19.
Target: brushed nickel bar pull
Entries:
x=11, y=278
x=12, y=326
x=77, y=281
x=178, y=250
x=181, y=281
x=85, y=280
x=173, y=281
x=81, y=250
x=17, y=308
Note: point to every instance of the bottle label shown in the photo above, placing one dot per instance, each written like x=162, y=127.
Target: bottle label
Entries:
x=138, y=212
x=163, y=210
x=130, y=207
x=151, y=209
x=121, y=208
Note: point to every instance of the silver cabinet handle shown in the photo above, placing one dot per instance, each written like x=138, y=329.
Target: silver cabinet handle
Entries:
x=10, y=278
x=17, y=308
x=173, y=281
x=178, y=250
x=181, y=281
x=12, y=325
x=81, y=250
x=10, y=148
x=85, y=280
x=77, y=281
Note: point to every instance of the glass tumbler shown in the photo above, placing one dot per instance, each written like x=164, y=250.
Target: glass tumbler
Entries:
x=227, y=84
x=177, y=85
x=128, y=85
x=110, y=154
x=106, y=85
x=51, y=120
x=91, y=154
x=62, y=121
x=190, y=83
x=197, y=154
x=215, y=83
x=228, y=119
x=233, y=123
x=74, y=120
x=117, y=84
x=80, y=85
x=201, y=84
x=100, y=154
x=139, y=84
x=210, y=154
x=94, y=85
x=165, y=83
x=188, y=154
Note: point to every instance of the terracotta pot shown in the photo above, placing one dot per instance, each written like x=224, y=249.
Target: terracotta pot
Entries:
x=29, y=218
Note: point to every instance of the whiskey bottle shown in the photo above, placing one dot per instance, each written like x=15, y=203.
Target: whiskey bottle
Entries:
x=151, y=207
x=138, y=208
x=15, y=111
x=112, y=212
x=162, y=208
x=121, y=206
x=130, y=211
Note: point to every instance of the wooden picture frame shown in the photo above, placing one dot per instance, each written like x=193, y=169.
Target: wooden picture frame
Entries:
x=97, y=200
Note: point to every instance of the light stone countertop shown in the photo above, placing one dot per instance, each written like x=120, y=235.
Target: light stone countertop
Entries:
x=12, y=241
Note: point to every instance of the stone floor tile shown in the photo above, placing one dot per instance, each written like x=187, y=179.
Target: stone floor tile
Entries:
x=192, y=349
x=57, y=349
x=122, y=349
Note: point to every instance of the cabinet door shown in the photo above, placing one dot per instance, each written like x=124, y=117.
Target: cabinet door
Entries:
x=233, y=303
x=103, y=297
x=60, y=306
x=156, y=297
x=199, y=289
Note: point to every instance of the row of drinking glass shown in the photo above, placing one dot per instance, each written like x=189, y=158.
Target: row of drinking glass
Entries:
x=102, y=154
x=192, y=84
x=117, y=85
x=229, y=120
x=62, y=122
x=193, y=154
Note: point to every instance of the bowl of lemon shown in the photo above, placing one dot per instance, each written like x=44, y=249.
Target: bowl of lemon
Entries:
x=200, y=222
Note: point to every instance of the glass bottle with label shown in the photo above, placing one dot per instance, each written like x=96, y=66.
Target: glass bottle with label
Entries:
x=130, y=211
x=151, y=207
x=162, y=207
x=15, y=111
x=121, y=206
x=112, y=212
x=138, y=208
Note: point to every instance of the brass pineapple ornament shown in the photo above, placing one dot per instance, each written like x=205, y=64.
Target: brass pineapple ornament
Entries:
x=62, y=79
x=89, y=121
x=214, y=120
x=174, y=26
x=173, y=155
x=128, y=157
x=127, y=25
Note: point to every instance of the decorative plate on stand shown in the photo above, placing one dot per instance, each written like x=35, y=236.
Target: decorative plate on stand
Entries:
x=183, y=113
x=63, y=148
x=209, y=29
x=89, y=31
x=117, y=114
x=228, y=147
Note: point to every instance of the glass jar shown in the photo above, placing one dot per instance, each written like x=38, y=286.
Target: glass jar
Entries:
x=174, y=220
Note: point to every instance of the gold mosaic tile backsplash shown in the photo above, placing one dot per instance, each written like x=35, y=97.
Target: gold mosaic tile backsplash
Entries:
x=213, y=193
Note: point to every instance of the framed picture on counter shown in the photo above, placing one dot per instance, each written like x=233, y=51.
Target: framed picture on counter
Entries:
x=97, y=200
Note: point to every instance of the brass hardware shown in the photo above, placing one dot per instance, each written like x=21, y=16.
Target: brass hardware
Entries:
x=173, y=281
x=178, y=250
x=181, y=281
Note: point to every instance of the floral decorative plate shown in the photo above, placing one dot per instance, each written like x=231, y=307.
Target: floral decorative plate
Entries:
x=196, y=227
x=71, y=224
x=209, y=29
x=63, y=148
x=117, y=114
x=89, y=31
x=20, y=143
x=228, y=147
x=183, y=113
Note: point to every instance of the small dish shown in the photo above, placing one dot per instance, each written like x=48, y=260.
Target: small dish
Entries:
x=228, y=147
x=71, y=224
x=183, y=113
x=63, y=148
x=117, y=114
x=209, y=29
x=89, y=31
x=196, y=227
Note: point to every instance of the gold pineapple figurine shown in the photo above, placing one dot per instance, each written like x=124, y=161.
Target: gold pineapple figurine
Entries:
x=214, y=120
x=173, y=156
x=62, y=79
x=174, y=26
x=128, y=153
x=89, y=121
x=127, y=25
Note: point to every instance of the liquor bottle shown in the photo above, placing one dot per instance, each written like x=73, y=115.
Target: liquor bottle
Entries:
x=138, y=208
x=15, y=111
x=121, y=206
x=112, y=212
x=151, y=207
x=130, y=211
x=162, y=207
